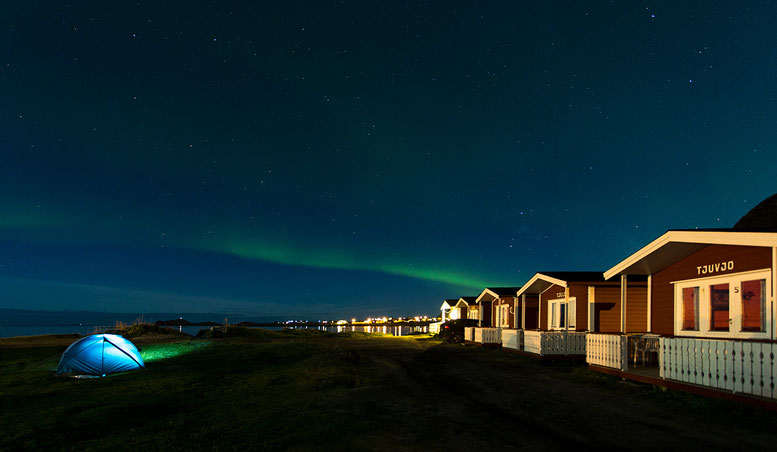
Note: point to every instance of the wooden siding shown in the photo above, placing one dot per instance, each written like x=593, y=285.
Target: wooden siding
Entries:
x=486, y=307
x=580, y=292
x=745, y=258
x=515, y=312
x=532, y=312
x=636, y=308
x=550, y=294
x=510, y=301
x=607, y=309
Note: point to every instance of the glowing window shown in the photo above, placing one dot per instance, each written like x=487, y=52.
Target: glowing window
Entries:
x=719, y=307
x=753, y=305
x=691, y=308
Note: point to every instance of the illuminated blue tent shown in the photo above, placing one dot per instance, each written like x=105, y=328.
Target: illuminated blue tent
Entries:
x=99, y=355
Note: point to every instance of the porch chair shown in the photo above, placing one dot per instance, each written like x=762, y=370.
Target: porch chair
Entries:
x=645, y=345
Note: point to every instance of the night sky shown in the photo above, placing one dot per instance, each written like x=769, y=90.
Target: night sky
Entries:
x=338, y=159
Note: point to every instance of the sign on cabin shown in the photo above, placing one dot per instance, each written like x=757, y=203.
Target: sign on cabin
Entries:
x=559, y=294
x=714, y=268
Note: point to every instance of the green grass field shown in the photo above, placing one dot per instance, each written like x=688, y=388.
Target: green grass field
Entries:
x=268, y=391
x=308, y=390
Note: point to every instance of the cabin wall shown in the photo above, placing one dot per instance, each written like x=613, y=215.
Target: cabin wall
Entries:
x=549, y=294
x=580, y=292
x=514, y=309
x=532, y=311
x=636, y=307
x=486, y=306
x=607, y=309
x=745, y=258
x=517, y=312
x=510, y=302
x=552, y=293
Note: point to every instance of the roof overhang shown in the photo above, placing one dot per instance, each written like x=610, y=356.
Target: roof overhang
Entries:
x=487, y=295
x=462, y=302
x=673, y=246
x=446, y=305
x=540, y=283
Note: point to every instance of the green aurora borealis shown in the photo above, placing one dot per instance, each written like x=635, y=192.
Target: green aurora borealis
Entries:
x=359, y=158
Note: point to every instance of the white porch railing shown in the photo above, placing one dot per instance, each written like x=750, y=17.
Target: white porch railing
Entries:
x=492, y=335
x=434, y=327
x=746, y=367
x=512, y=339
x=608, y=350
x=469, y=334
x=554, y=342
x=478, y=335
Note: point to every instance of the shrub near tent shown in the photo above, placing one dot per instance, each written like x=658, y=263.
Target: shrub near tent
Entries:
x=99, y=355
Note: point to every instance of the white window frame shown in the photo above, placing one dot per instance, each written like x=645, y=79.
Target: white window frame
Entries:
x=734, y=281
x=504, y=315
x=554, y=307
x=697, y=307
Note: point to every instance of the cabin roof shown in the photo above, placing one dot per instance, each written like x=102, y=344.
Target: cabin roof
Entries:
x=542, y=280
x=451, y=302
x=725, y=230
x=677, y=244
x=492, y=293
x=467, y=300
x=504, y=291
x=463, y=302
x=575, y=276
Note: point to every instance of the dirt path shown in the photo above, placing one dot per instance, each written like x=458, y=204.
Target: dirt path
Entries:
x=489, y=398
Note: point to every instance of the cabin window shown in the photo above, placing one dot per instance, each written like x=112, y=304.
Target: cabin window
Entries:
x=719, y=316
x=724, y=306
x=562, y=315
x=505, y=320
x=690, y=308
x=553, y=320
x=557, y=314
x=753, y=305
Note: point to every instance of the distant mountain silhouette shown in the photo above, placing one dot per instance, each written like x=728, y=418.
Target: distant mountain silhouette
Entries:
x=761, y=217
